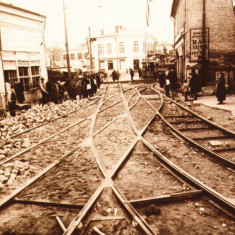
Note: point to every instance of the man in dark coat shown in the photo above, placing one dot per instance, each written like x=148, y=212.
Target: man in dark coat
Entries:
x=173, y=82
x=162, y=78
x=194, y=84
x=220, y=91
x=132, y=74
x=114, y=75
x=140, y=72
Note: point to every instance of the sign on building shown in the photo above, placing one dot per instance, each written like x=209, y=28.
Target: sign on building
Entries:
x=196, y=44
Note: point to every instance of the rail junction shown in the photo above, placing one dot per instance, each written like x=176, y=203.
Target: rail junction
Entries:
x=131, y=161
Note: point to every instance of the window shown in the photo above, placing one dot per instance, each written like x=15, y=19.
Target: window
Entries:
x=110, y=65
x=65, y=57
x=36, y=81
x=136, y=46
x=121, y=47
x=10, y=76
x=109, y=48
x=24, y=77
x=101, y=49
x=25, y=82
x=144, y=45
x=72, y=56
x=80, y=56
x=23, y=71
x=35, y=70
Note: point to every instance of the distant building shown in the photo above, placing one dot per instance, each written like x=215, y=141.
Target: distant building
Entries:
x=22, y=45
x=122, y=49
x=165, y=56
x=205, y=39
x=79, y=58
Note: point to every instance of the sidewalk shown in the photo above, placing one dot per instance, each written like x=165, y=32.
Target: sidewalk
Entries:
x=229, y=103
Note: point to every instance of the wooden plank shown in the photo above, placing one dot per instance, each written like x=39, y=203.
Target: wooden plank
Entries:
x=167, y=198
x=195, y=129
x=46, y=203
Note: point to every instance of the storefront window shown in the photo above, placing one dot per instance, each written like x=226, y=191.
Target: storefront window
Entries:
x=23, y=71
x=25, y=82
x=10, y=76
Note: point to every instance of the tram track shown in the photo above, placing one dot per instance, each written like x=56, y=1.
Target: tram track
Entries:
x=212, y=138
x=117, y=180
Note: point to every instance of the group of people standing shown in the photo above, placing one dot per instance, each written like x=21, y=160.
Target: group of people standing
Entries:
x=83, y=85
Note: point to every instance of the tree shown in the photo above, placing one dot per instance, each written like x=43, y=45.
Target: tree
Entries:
x=55, y=56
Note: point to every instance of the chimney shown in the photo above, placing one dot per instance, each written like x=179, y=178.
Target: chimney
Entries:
x=102, y=32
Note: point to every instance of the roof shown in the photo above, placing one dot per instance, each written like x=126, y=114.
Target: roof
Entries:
x=21, y=9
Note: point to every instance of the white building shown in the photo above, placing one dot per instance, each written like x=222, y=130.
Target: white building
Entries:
x=22, y=48
x=121, y=50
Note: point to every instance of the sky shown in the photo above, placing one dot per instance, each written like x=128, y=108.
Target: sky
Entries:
x=99, y=14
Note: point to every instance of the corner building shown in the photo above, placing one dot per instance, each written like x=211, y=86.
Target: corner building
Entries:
x=22, y=50
x=204, y=39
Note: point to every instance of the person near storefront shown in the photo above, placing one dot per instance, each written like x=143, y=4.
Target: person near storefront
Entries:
x=11, y=99
x=45, y=94
x=220, y=90
x=194, y=84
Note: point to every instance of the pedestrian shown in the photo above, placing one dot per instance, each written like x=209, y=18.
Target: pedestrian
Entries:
x=45, y=94
x=162, y=78
x=140, y=72
x=97, y=77
x=11, y=99
x=185, y=90
x=19, y=90
x=167, y=87
x=194, y=84
x=132, y=74
x=84, y=86
x=173, y=82
x=114, y=75
x=220, y=90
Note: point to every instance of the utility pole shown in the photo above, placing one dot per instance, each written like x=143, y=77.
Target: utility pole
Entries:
x=66, y=44
x=203, y=59
x=90, y=51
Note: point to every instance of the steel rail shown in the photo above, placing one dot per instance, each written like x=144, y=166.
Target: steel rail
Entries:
x=131, y=210
x=7, y=199
x=226, y=162
x=106, y=182
x=211, y=192
x=141, y=132
x=217, y=157
x=205, y=119
x=108, y=124
x=102, y=110
x=42, y=141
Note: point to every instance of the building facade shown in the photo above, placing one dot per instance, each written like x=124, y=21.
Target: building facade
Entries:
x=204, y=39
x=121, y=50
x=22, y=47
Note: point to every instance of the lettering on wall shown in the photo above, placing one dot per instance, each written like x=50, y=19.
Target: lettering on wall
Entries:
x=196, y=44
